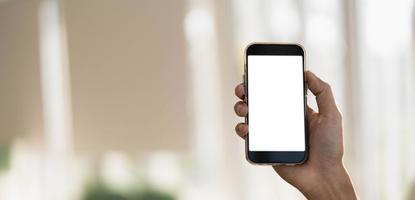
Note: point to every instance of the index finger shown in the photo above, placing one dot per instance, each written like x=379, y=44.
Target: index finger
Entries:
x=240, y=91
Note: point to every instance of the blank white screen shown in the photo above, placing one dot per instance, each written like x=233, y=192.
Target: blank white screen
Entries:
x=276, y=103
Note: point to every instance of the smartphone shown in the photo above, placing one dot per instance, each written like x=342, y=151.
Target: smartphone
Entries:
x=276, y=95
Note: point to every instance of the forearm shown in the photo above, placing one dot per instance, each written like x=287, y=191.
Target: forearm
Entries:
x=333, y=184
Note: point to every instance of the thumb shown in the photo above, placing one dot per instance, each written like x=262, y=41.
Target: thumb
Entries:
x=324, y=96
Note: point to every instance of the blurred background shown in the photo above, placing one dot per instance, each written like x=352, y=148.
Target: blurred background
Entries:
x=133, y=99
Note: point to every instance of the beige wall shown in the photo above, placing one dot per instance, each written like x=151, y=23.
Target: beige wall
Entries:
x=127, y=70
x=20, y=89
x=128, y=76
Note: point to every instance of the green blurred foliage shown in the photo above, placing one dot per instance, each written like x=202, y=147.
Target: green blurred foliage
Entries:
x=98, y=191
x=4, y=157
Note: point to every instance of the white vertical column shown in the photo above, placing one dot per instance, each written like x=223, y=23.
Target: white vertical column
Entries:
x=409, y=113
x=205, y=102
x=56, y=102
x=385, y=39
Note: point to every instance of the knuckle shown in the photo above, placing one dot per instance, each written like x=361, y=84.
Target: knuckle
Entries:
x=236, y=90
x=238, y=104
x=239, y=108
x=326, y=86
x=339, y=116
x=239, y=88
x=237, y=128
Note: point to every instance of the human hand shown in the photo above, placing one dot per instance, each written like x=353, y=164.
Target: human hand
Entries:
x=323, y=175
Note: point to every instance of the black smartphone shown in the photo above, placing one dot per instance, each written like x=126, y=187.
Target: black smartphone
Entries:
x=276, y=95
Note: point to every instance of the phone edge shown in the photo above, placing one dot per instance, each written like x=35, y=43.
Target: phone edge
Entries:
x=305, y=106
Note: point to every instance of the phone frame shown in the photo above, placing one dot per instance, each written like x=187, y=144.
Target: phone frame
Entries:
x=276, y=157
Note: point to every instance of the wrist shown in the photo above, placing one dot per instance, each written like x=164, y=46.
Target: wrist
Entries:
x=333, y=183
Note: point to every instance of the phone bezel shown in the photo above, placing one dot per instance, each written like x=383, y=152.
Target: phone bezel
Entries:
x=276, y=157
